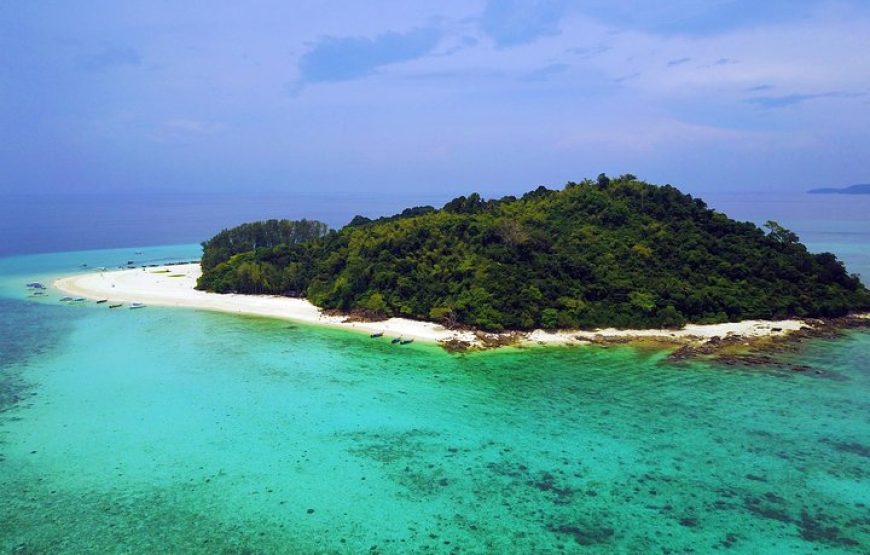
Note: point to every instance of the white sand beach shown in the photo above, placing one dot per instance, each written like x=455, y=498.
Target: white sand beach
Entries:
x=174, y=286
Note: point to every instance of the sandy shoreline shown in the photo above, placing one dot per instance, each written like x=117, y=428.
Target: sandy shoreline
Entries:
x=174, y=286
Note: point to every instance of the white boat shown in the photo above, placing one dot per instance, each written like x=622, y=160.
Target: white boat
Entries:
x=136, y=305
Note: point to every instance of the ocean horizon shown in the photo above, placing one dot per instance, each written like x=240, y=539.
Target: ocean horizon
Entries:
x=56, y=222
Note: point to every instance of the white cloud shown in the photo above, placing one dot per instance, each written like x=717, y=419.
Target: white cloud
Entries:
x=666, y=133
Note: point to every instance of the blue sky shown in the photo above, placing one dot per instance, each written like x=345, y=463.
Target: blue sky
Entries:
x=446, y=97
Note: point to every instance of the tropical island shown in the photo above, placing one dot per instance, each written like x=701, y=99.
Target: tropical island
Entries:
x=617, y=253
x=604, y=261
x=861, y=189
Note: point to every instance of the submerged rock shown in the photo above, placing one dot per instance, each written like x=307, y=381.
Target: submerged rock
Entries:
x=813, y=529
x=583, y=535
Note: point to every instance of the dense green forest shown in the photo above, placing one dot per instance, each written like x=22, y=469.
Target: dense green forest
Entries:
x=612, y=252
x=258, y=235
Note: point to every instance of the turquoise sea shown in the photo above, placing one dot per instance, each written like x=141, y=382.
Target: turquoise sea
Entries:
x=181, y=431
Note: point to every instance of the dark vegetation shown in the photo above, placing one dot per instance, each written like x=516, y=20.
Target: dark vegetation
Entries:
x=612, y=252
x=258, y=235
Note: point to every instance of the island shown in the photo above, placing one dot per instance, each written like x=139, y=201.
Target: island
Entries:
x=607, y=253
x=861, y=189
x=605, y=260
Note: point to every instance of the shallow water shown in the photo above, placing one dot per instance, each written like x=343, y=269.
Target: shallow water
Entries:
x=164, y=430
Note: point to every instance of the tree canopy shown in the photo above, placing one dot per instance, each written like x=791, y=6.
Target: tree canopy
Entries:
x=611, y=252
x=258, y=235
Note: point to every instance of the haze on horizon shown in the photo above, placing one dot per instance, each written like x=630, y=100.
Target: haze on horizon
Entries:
x=390, y=97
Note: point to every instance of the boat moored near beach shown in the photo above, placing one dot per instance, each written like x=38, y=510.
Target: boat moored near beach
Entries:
x=377, y=334
x=396, y=340
x=101, y=301
x=119, y=305
x=136, y=305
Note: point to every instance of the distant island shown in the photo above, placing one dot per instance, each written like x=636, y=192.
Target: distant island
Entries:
x=609, y=252
x=862, y=189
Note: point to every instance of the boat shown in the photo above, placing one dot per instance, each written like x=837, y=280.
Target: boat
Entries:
x=396, y=340
x=406, y=341
x=137, y=305
x=101, y=301
x=37, y=293
x=79, y=300
x=116, y=305
x=376, y=335
x=66, y=299
x=35, y=285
